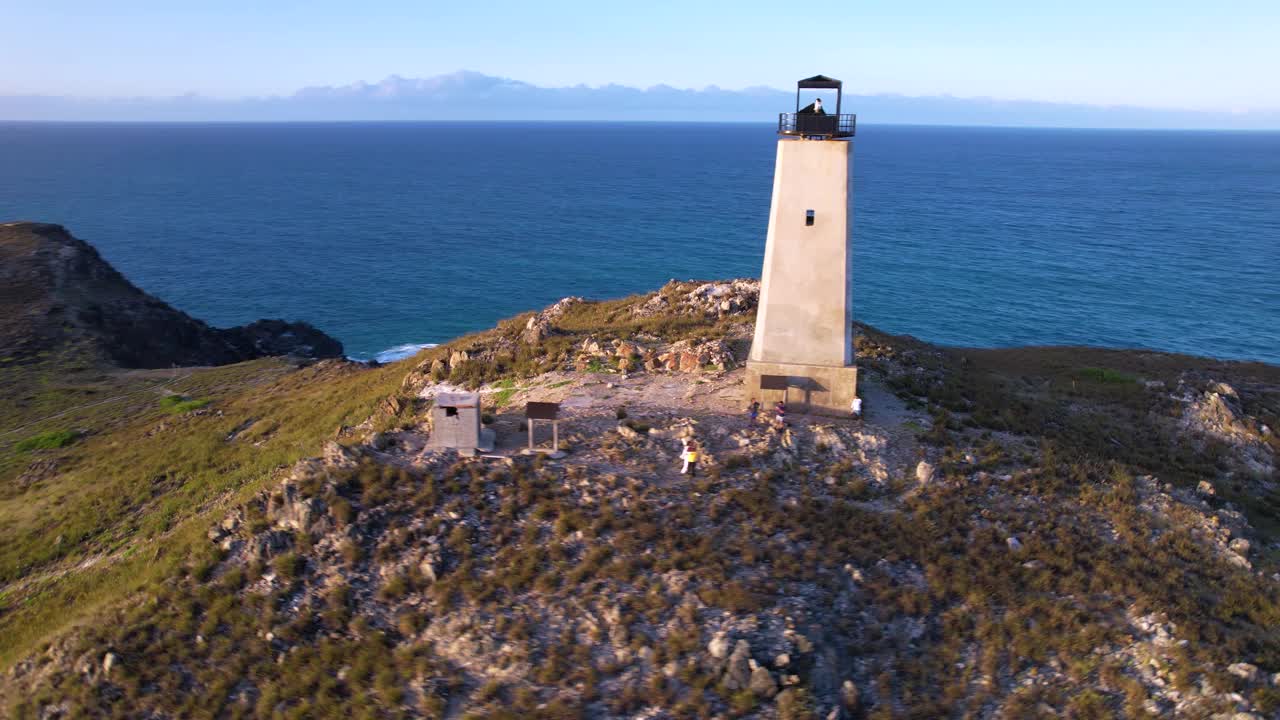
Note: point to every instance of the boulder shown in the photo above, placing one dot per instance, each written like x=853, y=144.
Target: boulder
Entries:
x=232, y=520
x=1244, y=671
x=535, y=330
x=1224, y=390
x=762, y=683
x=737, y=674
x=288, y=509
x=340, y=456
x=736, y=297
x=269, y=544
x=924, y=473
x=849, y=696
x=719, y=646
x=629, y=433
x=391, y=405
x=428, y=568
x=689, y=361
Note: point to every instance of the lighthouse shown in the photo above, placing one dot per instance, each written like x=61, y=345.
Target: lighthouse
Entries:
x=802, y=351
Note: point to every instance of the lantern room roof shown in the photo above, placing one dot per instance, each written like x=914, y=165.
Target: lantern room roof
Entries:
x=819, y=81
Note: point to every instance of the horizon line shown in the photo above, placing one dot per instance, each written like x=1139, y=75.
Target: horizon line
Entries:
x=465, y=74
x=534, y=121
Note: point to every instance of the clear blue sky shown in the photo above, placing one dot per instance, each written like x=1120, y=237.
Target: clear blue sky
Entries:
x=1197, y=55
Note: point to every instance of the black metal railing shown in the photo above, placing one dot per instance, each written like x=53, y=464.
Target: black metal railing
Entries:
x=814, y=125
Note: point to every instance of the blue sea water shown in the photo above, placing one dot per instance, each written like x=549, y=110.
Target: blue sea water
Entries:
x=389, y=235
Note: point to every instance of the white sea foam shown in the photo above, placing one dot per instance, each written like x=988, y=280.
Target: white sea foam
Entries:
x=401, y=352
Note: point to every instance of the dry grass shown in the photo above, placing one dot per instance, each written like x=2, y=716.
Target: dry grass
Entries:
x=141, y=474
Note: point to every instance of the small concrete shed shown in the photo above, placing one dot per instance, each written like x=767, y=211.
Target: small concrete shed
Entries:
x=455, y=424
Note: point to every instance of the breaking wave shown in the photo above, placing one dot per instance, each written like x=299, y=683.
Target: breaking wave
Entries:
x=401, y=352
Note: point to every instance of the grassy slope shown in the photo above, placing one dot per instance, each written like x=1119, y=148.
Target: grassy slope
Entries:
x=989, y=612
x=138, y=487
x=121, y=490
x=1096, y=402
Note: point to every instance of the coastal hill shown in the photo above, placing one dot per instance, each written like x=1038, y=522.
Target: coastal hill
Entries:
x=1019, y=533
x=57, y=291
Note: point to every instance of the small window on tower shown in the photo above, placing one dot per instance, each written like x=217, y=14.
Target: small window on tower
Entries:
x=808, y=217
x=451, y=412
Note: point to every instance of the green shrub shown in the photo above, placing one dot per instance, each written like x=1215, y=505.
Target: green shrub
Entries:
x=342, y=511
x=395, y=588
x=1087, y=705
x=48, y=440
x=177, y=404
x=742, y=702
x=289, y=566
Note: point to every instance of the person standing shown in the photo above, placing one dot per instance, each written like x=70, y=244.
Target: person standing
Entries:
x=690, y=459
x=753, y=411
x=780, y=411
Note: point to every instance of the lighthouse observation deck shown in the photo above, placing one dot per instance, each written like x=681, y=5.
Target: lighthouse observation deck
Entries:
x=811, y=121
x=814, y=125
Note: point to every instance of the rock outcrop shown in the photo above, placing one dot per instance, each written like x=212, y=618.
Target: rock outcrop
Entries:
x=543, y=324
x=57, y=291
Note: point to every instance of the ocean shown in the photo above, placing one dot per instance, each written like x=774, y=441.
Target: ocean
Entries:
x=393, y=235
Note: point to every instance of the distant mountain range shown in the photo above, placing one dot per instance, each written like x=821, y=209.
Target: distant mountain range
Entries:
x=466, y=95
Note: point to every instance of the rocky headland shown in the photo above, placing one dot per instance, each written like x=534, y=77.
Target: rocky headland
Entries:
x=1023, y=533
x=56, y=292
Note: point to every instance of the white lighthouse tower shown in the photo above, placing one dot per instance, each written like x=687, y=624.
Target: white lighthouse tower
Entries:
x=803, y=345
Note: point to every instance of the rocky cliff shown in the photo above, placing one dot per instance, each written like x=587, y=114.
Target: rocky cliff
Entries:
x=57, y=291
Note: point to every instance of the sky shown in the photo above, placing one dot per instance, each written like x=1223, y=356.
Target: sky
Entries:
x=1221, y=56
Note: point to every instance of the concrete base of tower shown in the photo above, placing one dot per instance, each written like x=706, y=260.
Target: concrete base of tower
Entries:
x=814, y=389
